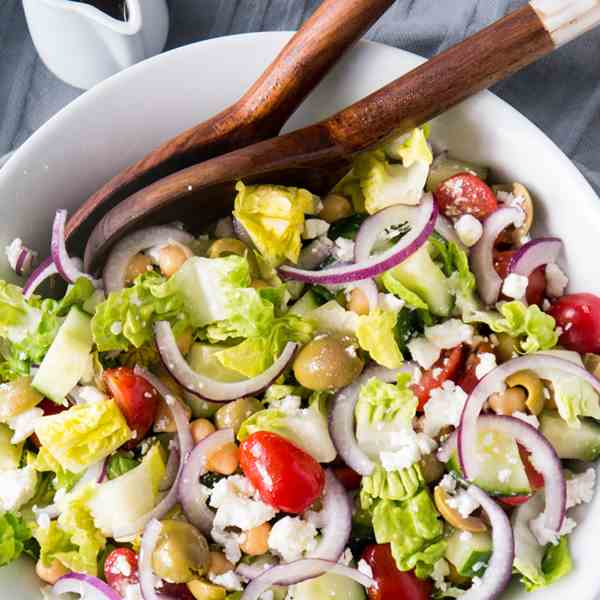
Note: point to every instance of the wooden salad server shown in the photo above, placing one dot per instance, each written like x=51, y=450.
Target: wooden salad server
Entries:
x=258, y=115
x=316, y=156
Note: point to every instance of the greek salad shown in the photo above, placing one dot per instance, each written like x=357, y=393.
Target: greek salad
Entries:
x=382, y=393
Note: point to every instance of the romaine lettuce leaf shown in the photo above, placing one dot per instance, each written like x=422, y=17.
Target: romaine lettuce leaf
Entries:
x=411, y=148
x=14, y=533
x=390, y=485
x=44, y=462
x=376, y=335
x=332, y=317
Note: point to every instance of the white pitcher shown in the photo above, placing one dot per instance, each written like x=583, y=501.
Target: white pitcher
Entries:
x=82, y=45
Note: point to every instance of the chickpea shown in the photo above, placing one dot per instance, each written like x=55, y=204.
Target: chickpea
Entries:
x=218, y=564
x=181, y=552
x=592, y=364
x=431, y=468
x=52, y=573
x=233, y=414
x=452, y=516
x=16, y=397
x=358, y=303
x=509, y=402
x=335, y=207
x=201, y=428
x=533, y=387
x=507, y=346
x=257, y=540
x=327, y=363
x=202, y=590
x=185, y=341
x=226, y=246
x=172, y=257
x=225, y=460
x=163, y=421
x=515, y=235
x=137, y=266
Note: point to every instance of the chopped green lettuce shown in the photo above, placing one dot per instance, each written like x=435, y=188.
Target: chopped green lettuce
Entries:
x=376, y=335
x=17, y=317
x=273, y=216
x=411, y=148
x=332, y=317
x=349, y=186
x=390, y=485
x=14, y=534
x=44, y=462
x=84, y=434
x=394, y=286
x=120, y=463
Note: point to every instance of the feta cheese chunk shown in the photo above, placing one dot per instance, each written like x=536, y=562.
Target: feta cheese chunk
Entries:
x=17, y=486
x=390, y=303
x=469, y=230
x=580, y=488
x=448, y=483
x=424, y=352
x=439, y=573
x=408, y=447
x=230, y=581
x=449, y=334
x=365, y=568
x=487, y=363
x=23, y=425
x=515, y=286
x=556, y=280
x=444, y=408
x=314, y=228
x=463, y=502
x=546, y=536
x=292, y=537
x=343, y=250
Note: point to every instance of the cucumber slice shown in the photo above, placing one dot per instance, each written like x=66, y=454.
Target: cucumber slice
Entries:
x=303, y=306
x=10, y=454
x=502, y=472
x=444, y=167
x=67, y=359
x=467, y=550
x=581, y=443
x=330, y=586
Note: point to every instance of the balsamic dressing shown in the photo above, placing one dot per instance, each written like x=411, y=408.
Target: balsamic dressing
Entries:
x=117, y=9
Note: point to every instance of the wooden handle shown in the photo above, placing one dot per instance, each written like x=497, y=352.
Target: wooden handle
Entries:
x=258, y=115
x=567, y=19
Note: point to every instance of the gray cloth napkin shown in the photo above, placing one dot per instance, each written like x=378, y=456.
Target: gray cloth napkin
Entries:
x=561, y=93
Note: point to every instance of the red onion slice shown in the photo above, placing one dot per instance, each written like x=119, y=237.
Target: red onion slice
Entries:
x=534, y=254
x=254, y=570
x=341, y=418
x=191, y=497
x=423, y=223
x=68, y=269
x=185, y=445
x=205, y=387
x=489, y=283
x=24, y=261
x=499, y=570
x=86, y=586
x=146, y=574
x=369, y=289
x=337, y=516
x=171, y=470
x=44, y=270
x=298, y=571
x=123, y=251
x=445, y=228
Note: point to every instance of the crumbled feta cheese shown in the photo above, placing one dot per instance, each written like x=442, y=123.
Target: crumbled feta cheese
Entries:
x=426, y=444
x=424, y=352
x=121, y=565
x=515, y=286
x=444, y=408
x=580, y=488
x=230, y=542
x=116, y=328
x=24, y=424
x=291, y=537
x=400, y=459
x=469, y=230
x=365, y=568
x=448, y=483
x=314, y=228
x=546, y=304
x=230, y=581
x=478, y=566
x=88, y=394
x=487, y=363
x=347, y=557
x=17, y=486
x=504, y=475
x=463, y=502
x=556, y=280
x=548, y=536
x=531, y=419
x=289, y=404
x=439, y=573
x=390, y=302
x=465, y=536
x=343, y=250
x=449, y=334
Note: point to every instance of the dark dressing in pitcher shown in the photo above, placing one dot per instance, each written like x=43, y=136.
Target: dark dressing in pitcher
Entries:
x=117, y=9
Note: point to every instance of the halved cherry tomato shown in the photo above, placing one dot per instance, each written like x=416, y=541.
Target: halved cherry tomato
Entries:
x=465, y=194
x=285, y=476
x=136, y=398
x=390, y=582
x=349, y=478
x=446, y=367
x=579, y=317
x=536, y=479
x=513, y=500
x=536, y=289
x=468, y=380
x=121, y=569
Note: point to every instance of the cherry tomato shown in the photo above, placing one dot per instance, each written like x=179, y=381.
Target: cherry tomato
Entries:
x=536, y=479
x=349, y=478
x=465, y=194
x=579, y=317
x=136, y=398
x=390, y=582
x=449, y=363
x=536, y=289
x=121, y=569
x=285, y=476
x=468, y=380
x=514, y=500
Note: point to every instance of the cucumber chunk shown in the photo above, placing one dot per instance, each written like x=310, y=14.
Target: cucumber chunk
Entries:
x=303, y=306
x=469, y=552
x=581, y=443
x=67, y=359
x=330, y=586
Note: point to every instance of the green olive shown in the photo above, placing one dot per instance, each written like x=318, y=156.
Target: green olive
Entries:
x=328, y=362
x=431, y=468
x=232, y=415
x=507, y=346
x=182, y=552
x=17, y=396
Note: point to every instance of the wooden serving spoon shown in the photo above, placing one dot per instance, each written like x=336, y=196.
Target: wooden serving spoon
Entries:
x=258, y=115
x=316, y=156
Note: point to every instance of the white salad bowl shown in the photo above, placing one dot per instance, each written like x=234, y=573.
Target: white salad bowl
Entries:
x=124, y=117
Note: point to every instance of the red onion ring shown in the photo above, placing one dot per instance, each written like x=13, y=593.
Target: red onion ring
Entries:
x=123, y=251
x=298, y=571
x=534, y=254
x=341, y=417
x=171, y=470
x=312, y=255
x=205, y=387
x=499, y=570
x=489, y=283
x=372, y=266
x=337, y=516
x=146, y=574
x=24, y=261
x=67, y=268
x=86, y=586
x=185, y=446
x=369, y=289
x=252, y=571
x=445, y=228
x=189, y=491
x=43, y=271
